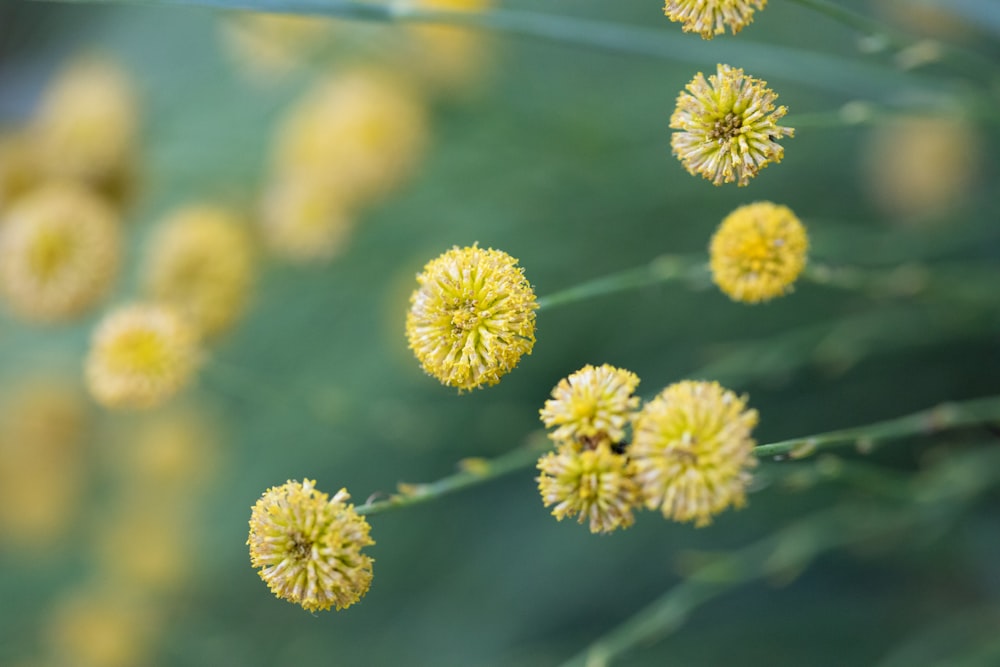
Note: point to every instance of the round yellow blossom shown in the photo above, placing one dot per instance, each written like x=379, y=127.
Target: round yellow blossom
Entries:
x=140, y=356
x=710, y=17
x=59, y=252
x=472, y=318
x=87, y=124
x=692, y=451
x=448, y=57
x=306, y=219
x=101, y=626
x=727, y=124
x=361, y=130
x=758, y=252
x=595, y=485
x=201, y=263
x=592, y=405
x=308, y=546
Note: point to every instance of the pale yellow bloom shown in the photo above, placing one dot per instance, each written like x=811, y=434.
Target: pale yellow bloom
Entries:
x=101, y=627
x=472, y=318
x=711, y=17
x=87, y=123
x=361, y=130
x=59, y=252
x=595, y=485
x=305, y=219
x=592, y=405
x=140, y=356
x=692, y=451
x=758, y=252
x=201, y=263
x=448, y=57
x=146, y=545
x=727, y=126
x=308, y=546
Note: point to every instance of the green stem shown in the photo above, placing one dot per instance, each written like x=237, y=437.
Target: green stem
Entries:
x=473, y=473
x=935, y=420
x=663, y=269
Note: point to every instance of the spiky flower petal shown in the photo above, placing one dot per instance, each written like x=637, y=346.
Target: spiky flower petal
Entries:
x=758, y=252
x=692, y=451
x=592, y=405
x=59, y=252
x=140, y=356
x=472, y=317
x=710, y=17
x=308, y=546
x=728, y=126
x=594, y=485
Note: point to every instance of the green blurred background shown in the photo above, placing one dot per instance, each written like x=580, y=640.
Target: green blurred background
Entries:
x=560, y=155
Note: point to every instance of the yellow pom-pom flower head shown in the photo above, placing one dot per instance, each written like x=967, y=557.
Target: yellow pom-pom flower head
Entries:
x=595, y=485
x=472, y=317
x=592, y=405
x=201, y=263
x=758, y=252
x=140, y=356
x=59, y=252
x=711, y=17
x=306, y=219
x=727, y=126
x=308, y=546
x=692, y=451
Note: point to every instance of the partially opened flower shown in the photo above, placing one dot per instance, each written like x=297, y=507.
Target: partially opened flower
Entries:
x=201, y=263
x=727, y=126
x=308, y=546
x=594, y=485
x=472, y=317
x=140, y=356
x=711, y=17
x=692, y=451
x=59, y=252
x=758, y=252
x=592, y=405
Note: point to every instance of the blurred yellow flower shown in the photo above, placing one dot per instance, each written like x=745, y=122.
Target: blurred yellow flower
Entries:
x=305, y=219
x=101, y=627
x=201, y=263
x=758, y=252
x=87, y=123
x=591, y=406
x=692, y=451
x=448, y=57
x=59, y=252
x=361, y=130
x=140, y=356
x=710, y=17
x=728, y=126
x=472, y=317
x=269, y=46
x=595, y=485
x=145, y=545
x=308, y=546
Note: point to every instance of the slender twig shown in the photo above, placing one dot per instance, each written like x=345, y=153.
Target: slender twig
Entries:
x=944, y=417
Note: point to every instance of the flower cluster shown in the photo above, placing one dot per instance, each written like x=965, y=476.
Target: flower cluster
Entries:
x=308, y=546
x=727, y=126
x=689, y=456
x=711, y=17
x=472, y=317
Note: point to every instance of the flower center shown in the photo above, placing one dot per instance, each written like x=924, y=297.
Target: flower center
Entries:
x=465, y=317
x=49, y=253
x=301, y=547
x=137, y=352
x=727, y=127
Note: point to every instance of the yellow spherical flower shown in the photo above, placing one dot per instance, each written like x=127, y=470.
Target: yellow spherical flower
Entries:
x=101, y=626
x=710, y=17
x=59, y=252
x=140, y=356
x=692, y=451
x=595, y=485
x=727, y=124
x=305, y=219
x=308, y=546
x=201, y=263
x=448, y=57
x=472, y=318
x=592, y=405
x=758, y=252
x=88, y=120
x=362, y=130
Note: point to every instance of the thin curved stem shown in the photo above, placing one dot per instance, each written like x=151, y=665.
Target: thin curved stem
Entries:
x=945, y=417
